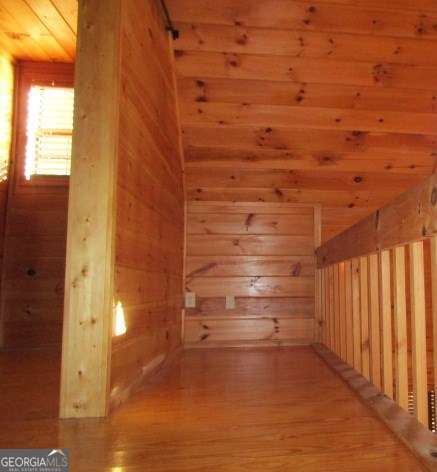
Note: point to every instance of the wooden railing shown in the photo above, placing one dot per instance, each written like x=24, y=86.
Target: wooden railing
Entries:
x=378, y=310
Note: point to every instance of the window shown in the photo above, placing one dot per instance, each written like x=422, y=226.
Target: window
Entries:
x=49, y=130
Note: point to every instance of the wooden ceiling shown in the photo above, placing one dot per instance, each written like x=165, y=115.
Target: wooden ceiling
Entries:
x=38, y=30
x=331, y=101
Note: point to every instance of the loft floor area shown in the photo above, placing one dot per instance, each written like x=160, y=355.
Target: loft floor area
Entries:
x=274, y=409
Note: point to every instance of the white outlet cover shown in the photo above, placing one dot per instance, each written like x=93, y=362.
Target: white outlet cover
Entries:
x=230, y=302
x=190, y=300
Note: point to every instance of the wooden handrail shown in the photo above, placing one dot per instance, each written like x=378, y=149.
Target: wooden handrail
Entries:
x=410, y=217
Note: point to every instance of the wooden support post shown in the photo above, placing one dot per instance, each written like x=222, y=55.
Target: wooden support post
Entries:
x=364, y=309
x=348, y=310
x=88, y=309
x=386, y=324
x=400, y=327
x=375, y=333
x=418, y=332
x=356, y=314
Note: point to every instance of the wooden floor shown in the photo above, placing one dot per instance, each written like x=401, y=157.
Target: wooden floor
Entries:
x=214, y=410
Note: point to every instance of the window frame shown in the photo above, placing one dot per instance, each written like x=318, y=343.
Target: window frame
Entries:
x=42, y=74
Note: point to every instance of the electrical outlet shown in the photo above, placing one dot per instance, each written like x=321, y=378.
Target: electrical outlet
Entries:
x=190, y=300
x=230, y=302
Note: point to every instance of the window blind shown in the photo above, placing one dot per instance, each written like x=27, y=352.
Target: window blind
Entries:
x=49, y=131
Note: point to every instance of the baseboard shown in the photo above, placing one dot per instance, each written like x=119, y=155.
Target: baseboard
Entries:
x=419, y=440
x=238, y=344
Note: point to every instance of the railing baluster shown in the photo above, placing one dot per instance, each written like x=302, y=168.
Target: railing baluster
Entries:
x=341, y=306
x=386, y=324
x=418, y=331
x=364, y=309
x=356, y=314
x=433, y=242
x=400, y=327
x=348, y=309
x=375, y=335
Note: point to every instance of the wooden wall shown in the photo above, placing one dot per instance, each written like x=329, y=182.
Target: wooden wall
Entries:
x=150, y=199
x=36, y=225
x=317, y=102
x=263, y=255
x=7, y=78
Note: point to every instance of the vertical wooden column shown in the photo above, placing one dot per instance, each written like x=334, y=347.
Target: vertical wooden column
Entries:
x=364, y=310
x=375, y=333
x=386, y=324
x=88, y=310
x=400, y=327
x=348, y=310
x=418, y=331
x=356, y=314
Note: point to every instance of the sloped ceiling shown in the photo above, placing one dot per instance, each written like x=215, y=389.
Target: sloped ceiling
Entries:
x=39, y=30
x=330, y=101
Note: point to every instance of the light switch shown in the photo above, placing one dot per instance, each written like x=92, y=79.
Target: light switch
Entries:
x=190, y=300
x=230, y=302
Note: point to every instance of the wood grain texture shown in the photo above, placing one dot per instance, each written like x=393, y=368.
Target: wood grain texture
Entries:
x=356, y=318
x=298, y=94
x=410, y=217
x=400, y=327
x=148, y=278
x=385, y=308
x=88, y=304
x=39, y=30
x=260, y=253
x=418, y=332
x=349, y=313
x=364, y=316
x=414, y=435
x=375, y=320
x=35, y=233
x=274, y=393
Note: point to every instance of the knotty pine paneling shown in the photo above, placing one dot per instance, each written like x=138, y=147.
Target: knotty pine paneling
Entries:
x=261, y=253
x=35, y=235
x=303, y=95
x=387, y=18
x=150, y=201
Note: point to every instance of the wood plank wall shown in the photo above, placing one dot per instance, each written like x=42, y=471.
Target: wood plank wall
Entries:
x=307, y=101
x=150, y=199
x=7, y=79
x=34, y=263
x=263, y=255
